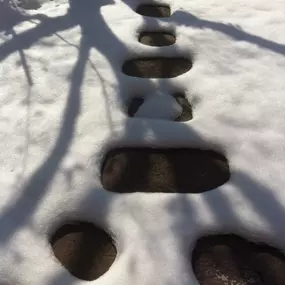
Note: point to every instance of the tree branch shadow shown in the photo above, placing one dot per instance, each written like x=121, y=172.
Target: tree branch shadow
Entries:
x=189, y=20
x=38, y=184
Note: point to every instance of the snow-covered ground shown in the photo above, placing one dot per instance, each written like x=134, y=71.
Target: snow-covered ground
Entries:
x=63, y=106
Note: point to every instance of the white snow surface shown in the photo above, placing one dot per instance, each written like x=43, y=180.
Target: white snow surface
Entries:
x=62, y=107
x=159, y=106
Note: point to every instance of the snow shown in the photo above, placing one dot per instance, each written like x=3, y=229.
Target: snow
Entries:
x=62, y=103
x=159, y=106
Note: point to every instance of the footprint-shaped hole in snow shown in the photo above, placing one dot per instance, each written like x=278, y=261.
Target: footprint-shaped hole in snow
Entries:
x=157, y=38
x=85, y=250
x=161, y=106
x=128, y=170
x=157, y=67
x=154, y=10
x=229, y=259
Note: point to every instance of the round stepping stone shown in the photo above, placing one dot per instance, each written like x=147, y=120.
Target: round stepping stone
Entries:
x=228, y=259
x=156, y=67
x=222, y=260
x=127, y=170
x=85, y=250
x=270, y=264
x=154, y=10
x=157, y=38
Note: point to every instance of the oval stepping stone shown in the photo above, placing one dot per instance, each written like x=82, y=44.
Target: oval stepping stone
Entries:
x=129, y=170
x=156, y=67
x=157, y=38
x=228, y=259
x=85, y=250
x=29, y=5
x=151, y=10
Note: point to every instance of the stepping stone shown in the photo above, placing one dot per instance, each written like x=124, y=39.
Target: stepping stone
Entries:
x=29, y=4
x=157, y=38
x=154, y=10
x=85, y=250
x=159, y=105
x=228, y=259
x=270, y=264
x=180, y=98
x=157, y=67
x=187, y=113
x=128, y=170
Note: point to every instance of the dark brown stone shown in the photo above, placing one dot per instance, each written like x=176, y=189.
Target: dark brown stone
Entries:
x=187, y=113
x=181, y=99
x=85, y=250
x=128, y=170
x=156, y=67
x=154, y=10
x=270, y=264
x=157, y=38
x=222, y=260
x=228, y=259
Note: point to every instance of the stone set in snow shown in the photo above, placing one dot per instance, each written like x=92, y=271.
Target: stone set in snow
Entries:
x=62, y=101
x=159, y=106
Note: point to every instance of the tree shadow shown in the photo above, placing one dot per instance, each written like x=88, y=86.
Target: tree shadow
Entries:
x=183, y=18
x=11, y=15
x=36, y=187
x=82, y=14
x=265, y=209
x=47, y=27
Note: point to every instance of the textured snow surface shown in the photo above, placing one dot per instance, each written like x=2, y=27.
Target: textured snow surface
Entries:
x=62, y=102
x=159, y=106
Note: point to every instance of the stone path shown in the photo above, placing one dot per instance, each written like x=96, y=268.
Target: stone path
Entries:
x=216, y=260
